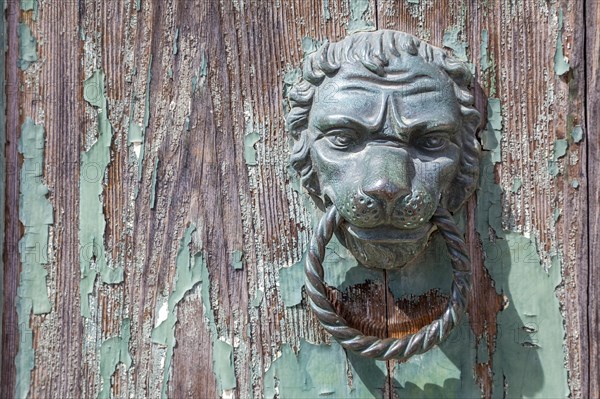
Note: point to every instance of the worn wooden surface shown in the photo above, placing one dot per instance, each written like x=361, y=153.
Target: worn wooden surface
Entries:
x=589, y=304
x=213, y=72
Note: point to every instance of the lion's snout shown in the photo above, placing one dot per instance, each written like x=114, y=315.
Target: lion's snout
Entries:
x=407, y=211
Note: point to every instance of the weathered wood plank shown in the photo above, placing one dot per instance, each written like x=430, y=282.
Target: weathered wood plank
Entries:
x=589, y=280
x=513, y=46
x=10, y=330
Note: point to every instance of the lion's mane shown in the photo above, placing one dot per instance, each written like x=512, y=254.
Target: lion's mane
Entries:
x=374, y=50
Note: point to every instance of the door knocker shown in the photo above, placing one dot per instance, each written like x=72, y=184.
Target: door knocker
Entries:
x=384, y=131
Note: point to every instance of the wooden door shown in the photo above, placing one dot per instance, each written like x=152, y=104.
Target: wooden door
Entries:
x=154, y=233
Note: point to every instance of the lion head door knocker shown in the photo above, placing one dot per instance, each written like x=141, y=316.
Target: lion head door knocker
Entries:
x=384, y=128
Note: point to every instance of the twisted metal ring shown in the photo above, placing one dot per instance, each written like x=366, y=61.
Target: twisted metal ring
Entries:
x=388, y=348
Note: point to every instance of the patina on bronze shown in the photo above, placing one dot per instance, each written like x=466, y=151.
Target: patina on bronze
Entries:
x=384, y=131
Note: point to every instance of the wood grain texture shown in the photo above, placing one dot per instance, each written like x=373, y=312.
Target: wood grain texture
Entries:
x=211, y=73
x=10, y=330
x=590, y=278
x=538, y=108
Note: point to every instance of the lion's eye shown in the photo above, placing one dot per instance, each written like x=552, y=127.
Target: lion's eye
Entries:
x=342, y=139
x=433, y=142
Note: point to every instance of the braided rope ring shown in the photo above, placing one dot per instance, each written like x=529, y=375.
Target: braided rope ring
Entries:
x=388, y=348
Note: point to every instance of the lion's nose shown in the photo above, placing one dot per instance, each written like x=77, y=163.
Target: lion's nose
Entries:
x=384, y=189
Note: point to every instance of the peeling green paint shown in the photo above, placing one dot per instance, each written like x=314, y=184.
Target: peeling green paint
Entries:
x=30, y=5
x=291, y=281
x=452, y=41
x=492, y=136
x=555, y=215
x=528, y=360
x=484, y=58
x=187, y=275
x=94, y=163
x=146, y=120
x=258, y=298
x=324, y=371
x=198, y=80
x=553, y=169
x=36, y=215
x=290, y=77
x=309, y=46
x=483, y=355
x=575, y=183
x=560, y=149
x=561, y=66
x=445, y=371
x=250, y=139
x=223, y=367
x=138, y=5
x=27, y=47
x=237, y=260
x=136, y=133
x=191, y=270
x=577, y=134
x=412, y=1
x=175, y=41
x=113, y=351
x=153, y=189
x=326, y=13
x=204, y=65
x=529, y=352
x=357, y=22
x=516, y=186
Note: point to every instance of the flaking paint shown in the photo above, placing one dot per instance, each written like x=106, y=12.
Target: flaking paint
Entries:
x=36, y=215
x=484, y=57
x=561, y=66
x=191, y=271
x=187, y=276
x=92, y=223
x=114, y=351
x=237, y=259
x=30, y=5
x=452, y=41
x=359, y=16
x=528, y=358
x=577, y=134
x=323, y=371
x=27, y=47
x=153, y=186
x=492, y=136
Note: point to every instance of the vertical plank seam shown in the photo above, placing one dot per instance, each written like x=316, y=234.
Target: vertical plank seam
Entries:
x=587, y=356
x=12, y=227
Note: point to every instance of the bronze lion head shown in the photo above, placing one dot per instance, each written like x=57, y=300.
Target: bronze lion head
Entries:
x=384, y=128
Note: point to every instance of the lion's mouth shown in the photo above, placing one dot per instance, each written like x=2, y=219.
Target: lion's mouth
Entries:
x=388, y=233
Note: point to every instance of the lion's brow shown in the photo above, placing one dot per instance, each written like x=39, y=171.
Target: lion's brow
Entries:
x=409, y=78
